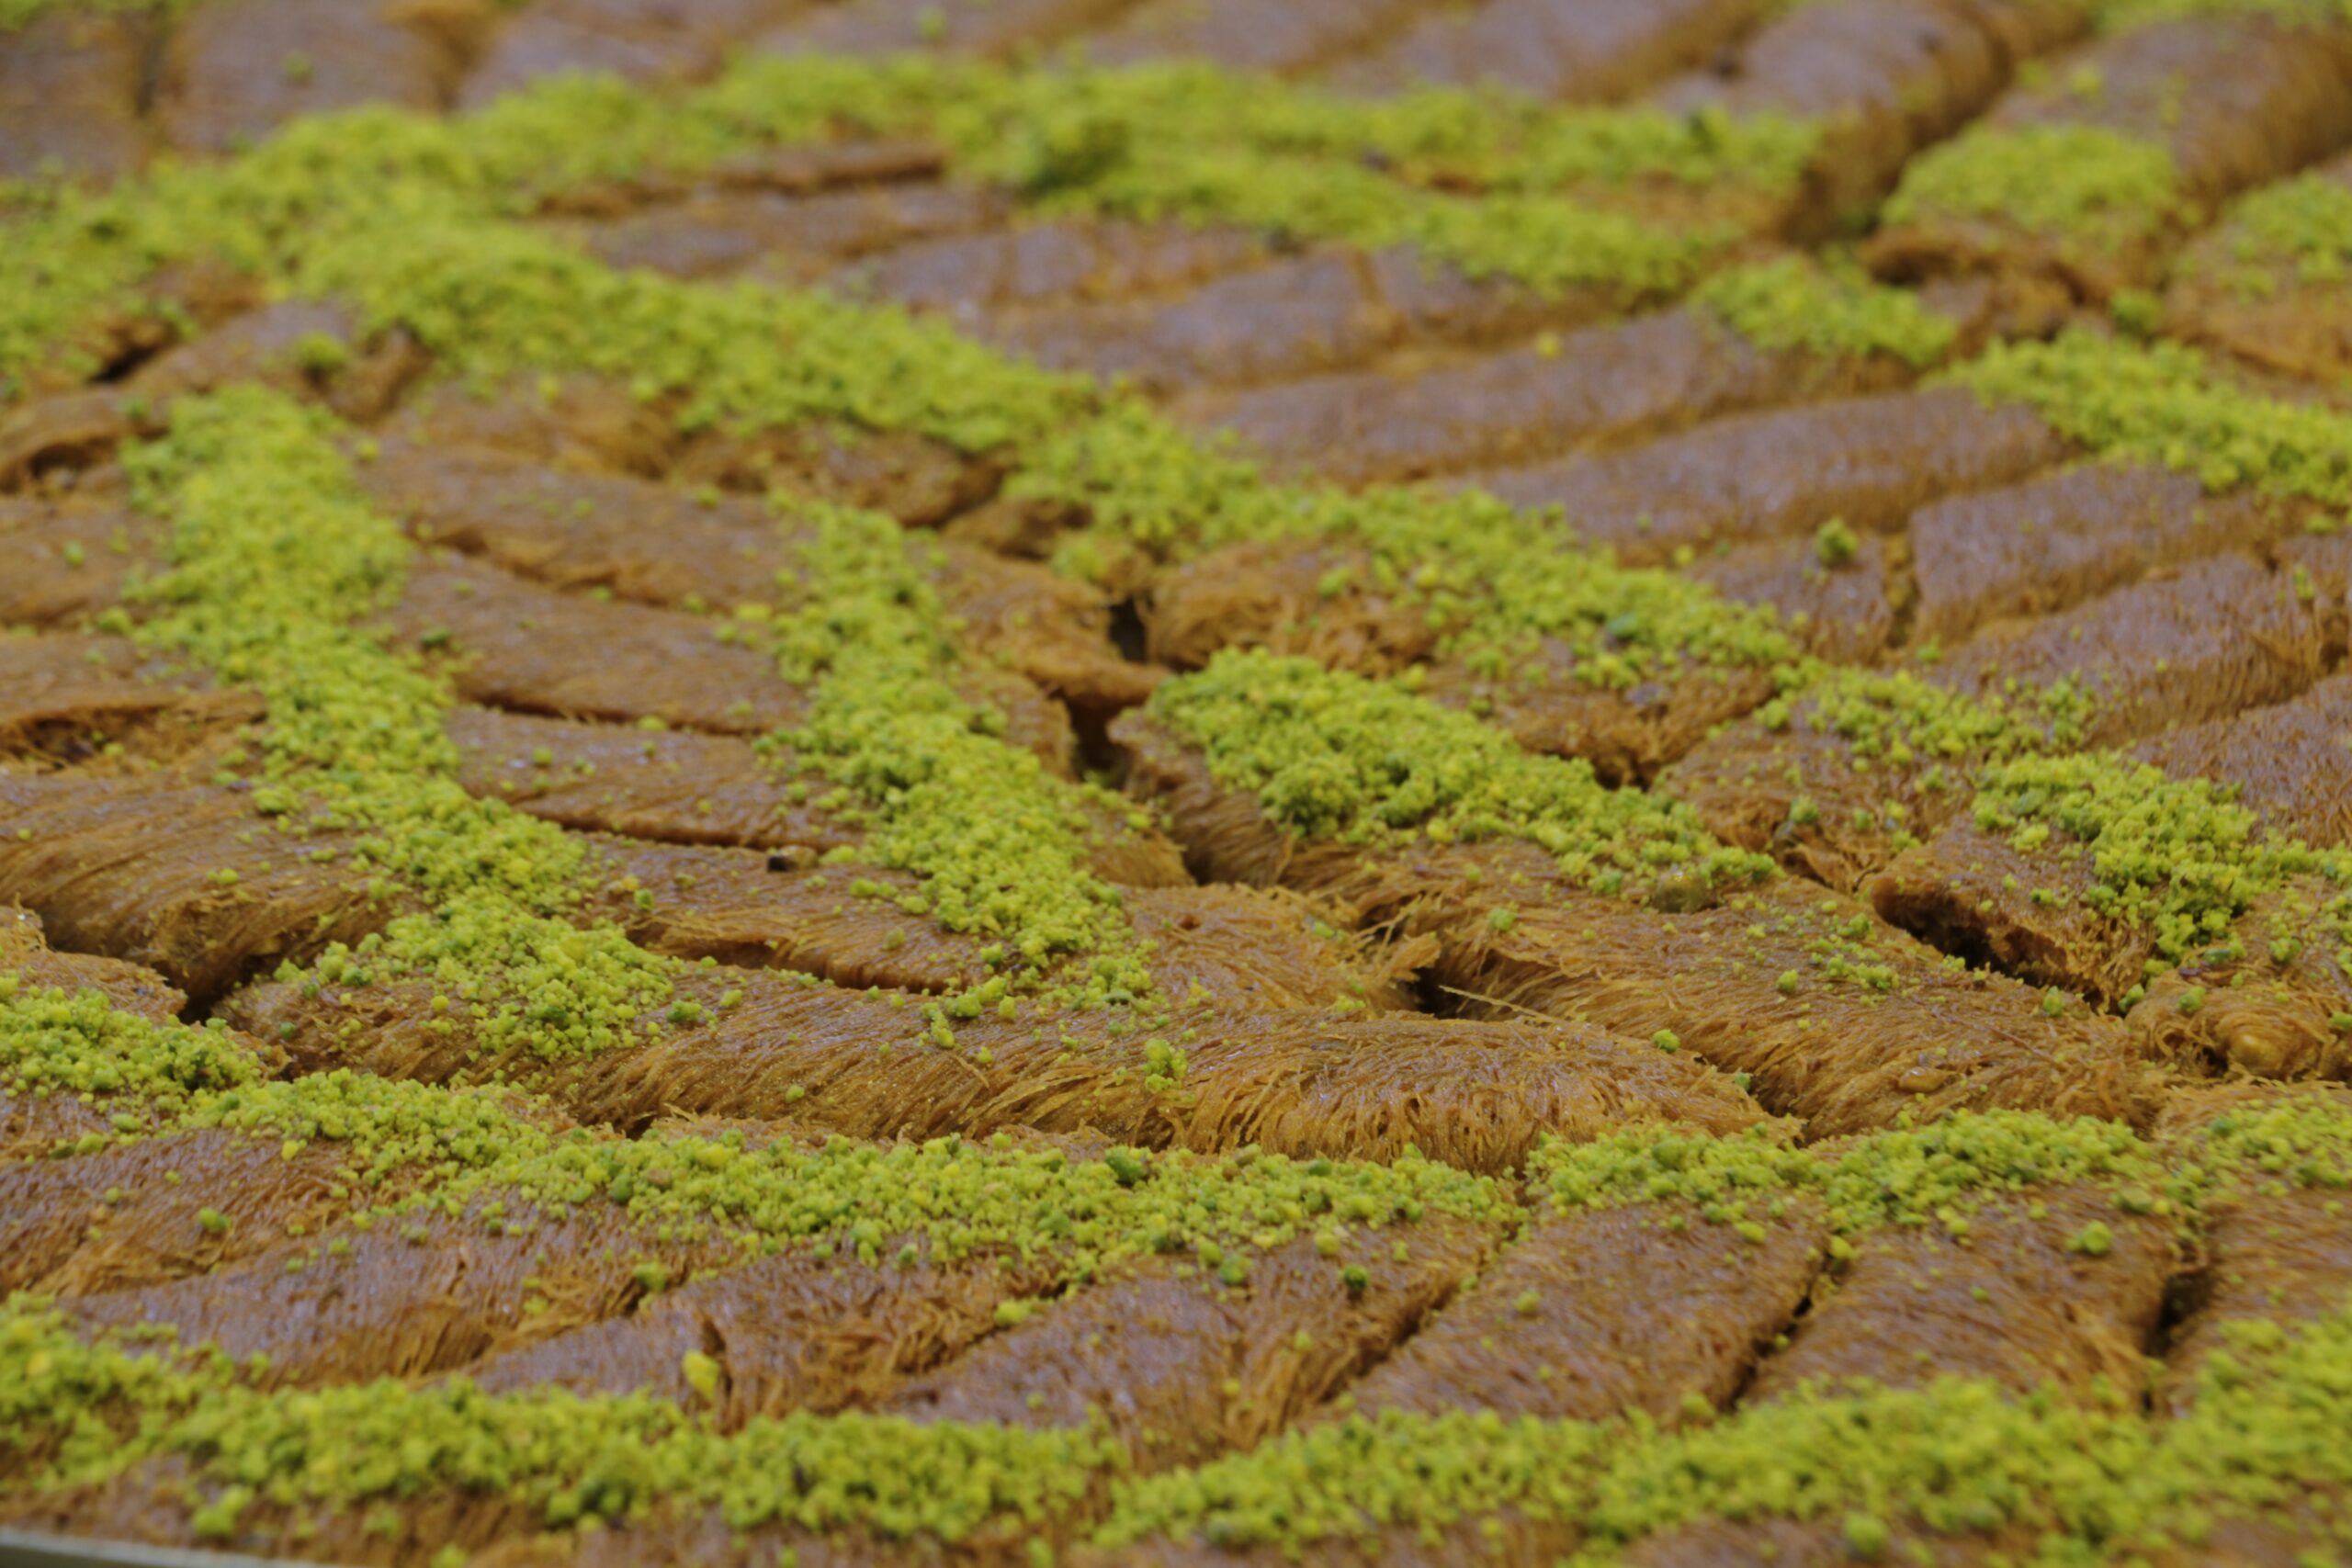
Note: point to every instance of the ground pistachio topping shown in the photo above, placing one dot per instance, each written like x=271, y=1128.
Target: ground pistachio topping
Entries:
x=1548, y=244
x=76, y=254
x=386, y=1125
x=76, y=1043
x=1149, y=486
x=414, y=226
x=755, y=358
x=1465, y=557
x=999, y=842
x=2085, y=1480
x=2118, y=15
x=960, y=1198
x=277, y=566
x=1897, y=718
x=2162, y=403
x=1832, y=310
x=1954, y=1457
x=1370, y=762
x=263, y=511
x=411, y=224
x=470, y=1150
x=2297, y=232
x=2179, y=858
x=2294, y=1140
x=1907, y=1175
x=153, y=1077
x=493, y=299
x=1059, y=130
x=1183, y=140
x=2084, y=187
x=1354, y=1478
x=275, y=562
x=1198, y=142
x=94, y=1410
x=1067, y=120
x=15, y=14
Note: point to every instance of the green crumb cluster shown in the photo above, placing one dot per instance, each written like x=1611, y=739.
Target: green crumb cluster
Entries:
x=77, y=1045
x=1185, y=142
x=1066, y=131
x=277, y=568
x=2118, y=15
x=386, y=1125
x=2292, y=1140
x=1194, y=142
x=1838, y=950
x=417, y=225
x=1428, y=137
x=100, y=1410
x=275, y=563
x=1957, y=1456
x=997, y=842
x=1465, y=558
x=1911, y=1176
x=1897, y=718
x=1723, y=1178
x=2180, y=858
x=1359, y=1478
x=1835, y=544
x=1369, y=761
x=473, y=1151
x=80, y=258
x=2083, y=188
x=495, y=299
x=956, y=1197
x=1867, y=1468
x=1794, y=303
x=410, y=221
x=2177, y=858
x=19, y=13
x=1923, y=1175
x=1142, y=485
x=149, y=1079
x=1543, y=241
x=2297, y=232
x=2162, y=404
